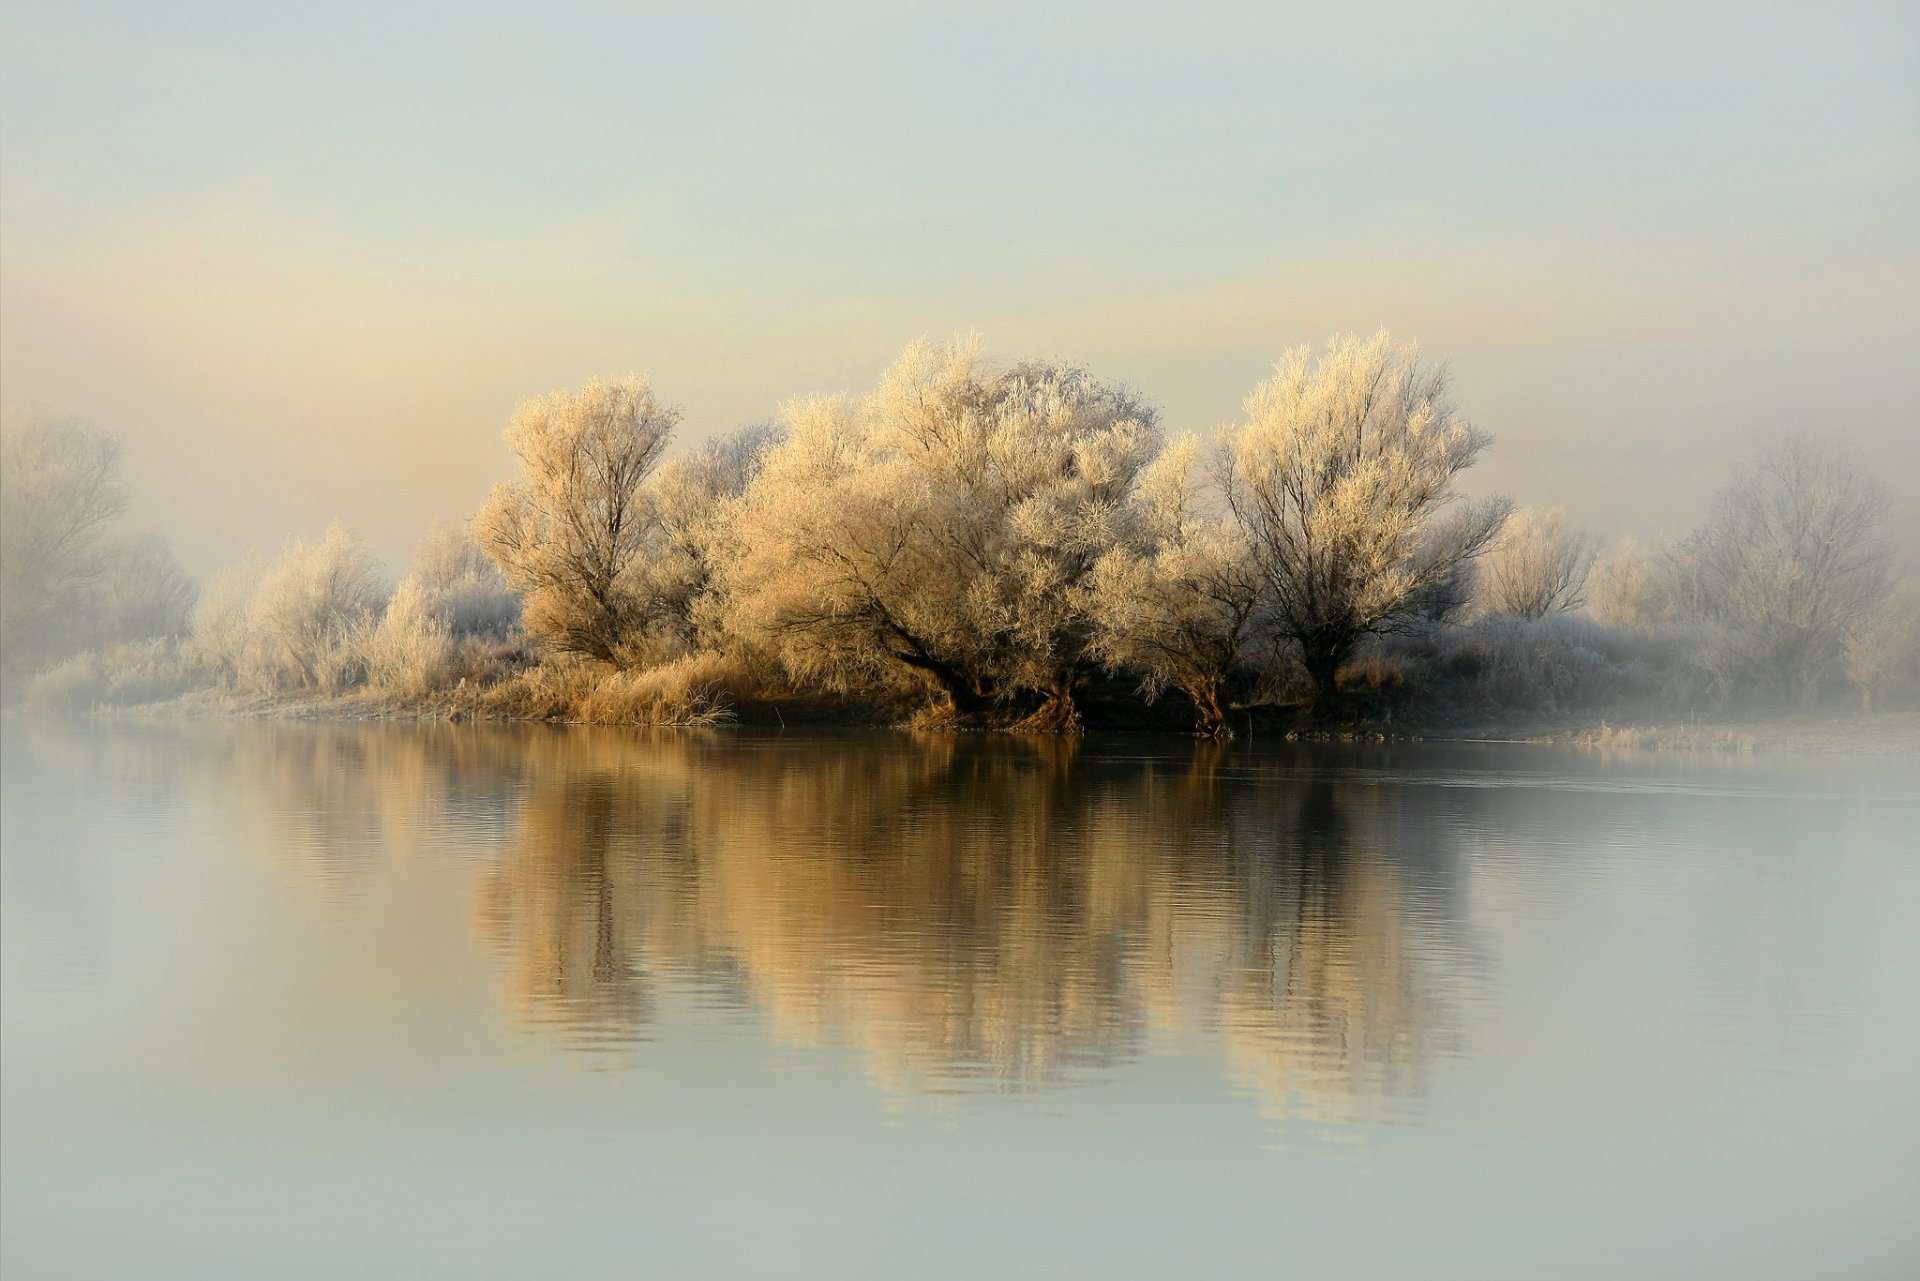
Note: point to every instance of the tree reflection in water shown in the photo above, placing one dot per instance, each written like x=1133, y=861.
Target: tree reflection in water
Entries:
x=969, y=912
x=977, y=913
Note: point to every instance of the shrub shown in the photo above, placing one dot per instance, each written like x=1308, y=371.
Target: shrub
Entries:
x=1556, y=664
x=126, y=675
x=303, y=621
x=70, y=688
x=452, y=605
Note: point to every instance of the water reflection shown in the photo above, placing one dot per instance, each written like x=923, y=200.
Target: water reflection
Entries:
x=970, y=913
x=258, y=978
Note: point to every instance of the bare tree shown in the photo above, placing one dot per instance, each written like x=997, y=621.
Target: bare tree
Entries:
x=1342, y=477
x=1794, y=554
x=1179, y=602
x=571, y=532
x=1538, y=565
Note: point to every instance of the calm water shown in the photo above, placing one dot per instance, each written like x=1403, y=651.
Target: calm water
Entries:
x=342, y=1001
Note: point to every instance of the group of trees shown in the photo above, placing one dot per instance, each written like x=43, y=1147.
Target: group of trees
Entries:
x=1003, y=540
x=1003, y=537
x=70, y=577
x=1006, y=536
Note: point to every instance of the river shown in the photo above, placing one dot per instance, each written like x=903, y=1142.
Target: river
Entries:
x=292, y=1000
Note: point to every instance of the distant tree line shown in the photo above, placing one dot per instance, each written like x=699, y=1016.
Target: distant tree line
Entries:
x=973, y=542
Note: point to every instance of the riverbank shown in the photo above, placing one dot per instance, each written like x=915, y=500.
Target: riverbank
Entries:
x=1823, y=733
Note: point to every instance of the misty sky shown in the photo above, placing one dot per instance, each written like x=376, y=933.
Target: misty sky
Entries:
x=306, y=259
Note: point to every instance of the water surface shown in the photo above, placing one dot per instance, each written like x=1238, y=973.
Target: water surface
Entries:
x=324, y=1001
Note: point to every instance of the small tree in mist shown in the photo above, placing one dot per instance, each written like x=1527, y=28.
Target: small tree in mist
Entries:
x=1644, y=585
x=1882, y=650
x=940, y=528
x=311, y=613
x=222, y=624
x=1342, y=477
x=1179, y=603
x=1793, y=556
x=298, y=622
x=1538, y=565
x=571, y=533
x=452, y=595
x=69, y=579
x=143, y=594
x=60, y=491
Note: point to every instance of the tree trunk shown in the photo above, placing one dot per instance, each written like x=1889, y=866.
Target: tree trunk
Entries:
x=963, y=700
x=1060, y=714
x=1206, y=703
x=1322, y=660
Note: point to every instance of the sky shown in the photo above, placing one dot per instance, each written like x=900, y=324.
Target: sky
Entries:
x=306, y=259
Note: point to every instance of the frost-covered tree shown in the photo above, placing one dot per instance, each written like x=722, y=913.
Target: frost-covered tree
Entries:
x=694, y=499
x=70, y=579
x=142, y=593
x=571, y=533
x=1342, y=477
x=453, y=593
x=298, y=622
x=1883, y=650
x=1538, y=565
x=1178, y=602
x=1794, y=554
x=457, y=582
x=1644, y=585
x=941, y=527
x=222, y=626
x=310, y=614
x=60, y=492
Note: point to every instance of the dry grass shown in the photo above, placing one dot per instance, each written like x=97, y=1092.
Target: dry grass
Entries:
x=689, y=691
x=1885, y=734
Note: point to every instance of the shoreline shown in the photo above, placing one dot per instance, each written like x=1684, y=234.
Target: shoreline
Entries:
x=1879, y=734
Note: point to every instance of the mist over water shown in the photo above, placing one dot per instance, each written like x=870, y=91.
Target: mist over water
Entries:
x=311, y=1000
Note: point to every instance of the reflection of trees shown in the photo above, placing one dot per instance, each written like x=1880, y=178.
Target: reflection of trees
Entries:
x=968, y=912
x=973, y=910
x=339, y=796
x=564, y=913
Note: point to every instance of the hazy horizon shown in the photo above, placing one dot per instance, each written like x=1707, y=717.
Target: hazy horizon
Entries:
x=306, y=263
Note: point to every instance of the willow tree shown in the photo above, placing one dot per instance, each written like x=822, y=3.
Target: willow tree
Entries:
x=1342, y=476
x=938, y=530
x=571, y=534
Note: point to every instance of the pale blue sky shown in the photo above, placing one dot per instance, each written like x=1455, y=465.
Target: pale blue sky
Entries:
x=306, y=260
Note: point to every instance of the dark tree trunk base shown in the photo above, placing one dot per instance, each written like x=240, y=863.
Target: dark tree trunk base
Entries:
x=1060, y=714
